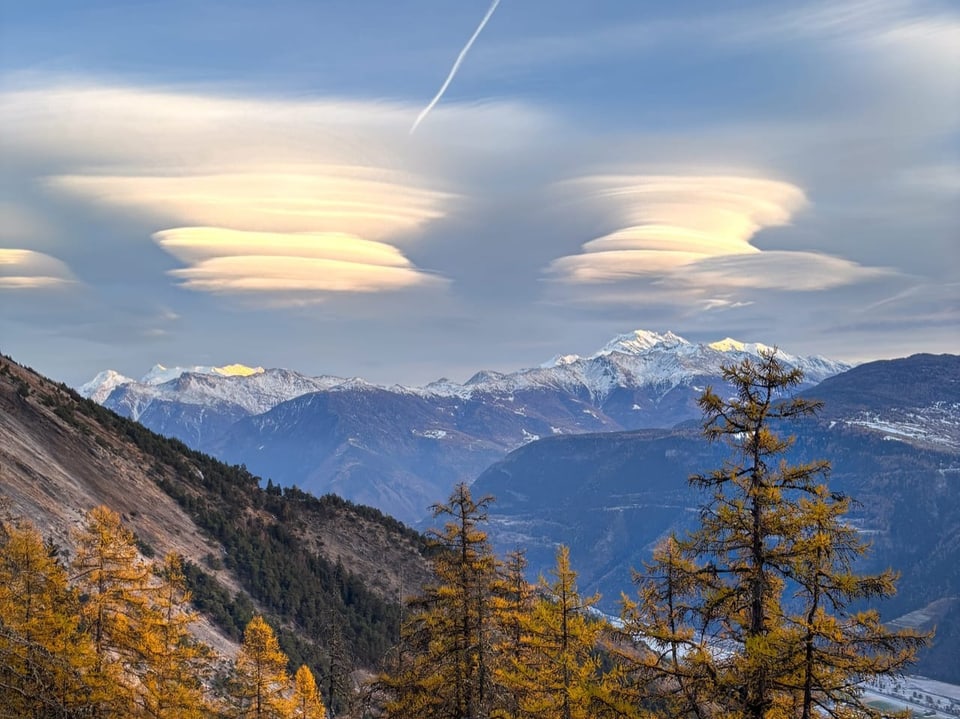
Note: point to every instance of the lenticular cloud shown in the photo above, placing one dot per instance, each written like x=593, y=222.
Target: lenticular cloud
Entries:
x=693, y=235
x=673, y=221
x=291, y=265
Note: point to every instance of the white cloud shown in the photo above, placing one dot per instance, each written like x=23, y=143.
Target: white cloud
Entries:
x=370, y=202
x=776, y=270
x=291, y=265
x=688, y=239
x=293, y=196
x=28, y=270
x=95, y=124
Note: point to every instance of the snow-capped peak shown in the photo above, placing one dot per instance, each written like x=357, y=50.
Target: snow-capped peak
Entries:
x=728, y=344
x=237, y=370
x=560, y=361
x=100, y=387
x=639, y=341
x=160, y=374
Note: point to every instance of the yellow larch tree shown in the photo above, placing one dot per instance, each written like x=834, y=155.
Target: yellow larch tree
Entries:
x=113, y=582
x=722, y=604
x=44, y=656
x=174, y=664
x=512, y=602
x=558, y=674
x=260, y=685
x=306, y=702
x=445, y=661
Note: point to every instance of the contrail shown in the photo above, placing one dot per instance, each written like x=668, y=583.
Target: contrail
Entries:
x=456, y=66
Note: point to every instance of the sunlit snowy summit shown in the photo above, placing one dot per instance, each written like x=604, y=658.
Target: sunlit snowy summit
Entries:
x=635, y=359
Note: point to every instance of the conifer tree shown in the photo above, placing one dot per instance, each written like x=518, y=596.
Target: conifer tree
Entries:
x=718, y=603
x=512, y=602
x=260, y=684
x=446, y=655
x=113, y=584
x=43, y=654
x=170, y=677
x=305, y=701
x=667, y=676
x=831, y=647
x=557, y=674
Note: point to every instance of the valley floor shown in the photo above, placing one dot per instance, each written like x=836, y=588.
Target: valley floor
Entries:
x=924, y=697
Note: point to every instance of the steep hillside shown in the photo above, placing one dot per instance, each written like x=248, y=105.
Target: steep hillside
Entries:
x=612, y=496
x=317, y=566
x=915, y=399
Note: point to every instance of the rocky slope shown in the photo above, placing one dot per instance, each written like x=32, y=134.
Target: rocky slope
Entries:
x=60, y=455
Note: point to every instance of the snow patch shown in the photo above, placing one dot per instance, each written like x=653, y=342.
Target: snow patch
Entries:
x=100, y=387
x=529, y=436
x=429, y=433
x=159, y=374
x=560, y=361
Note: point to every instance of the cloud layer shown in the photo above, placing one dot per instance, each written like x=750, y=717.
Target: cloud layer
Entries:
x=784, y=174
x=272, y=192
x=291, y=265
x=693, y=235
x=29, y=270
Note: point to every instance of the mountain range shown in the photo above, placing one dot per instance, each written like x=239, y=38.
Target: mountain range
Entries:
x=402, y=448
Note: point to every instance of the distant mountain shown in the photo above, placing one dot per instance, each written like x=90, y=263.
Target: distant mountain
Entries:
x=403, y=448
x=308, y=563
x=916, y=399
x=889, y=428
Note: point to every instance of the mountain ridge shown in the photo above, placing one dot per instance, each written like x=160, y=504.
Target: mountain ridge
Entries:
x=633, y=344
x=367, y=441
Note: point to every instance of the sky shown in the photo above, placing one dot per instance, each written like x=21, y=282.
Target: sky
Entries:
x=210, y=182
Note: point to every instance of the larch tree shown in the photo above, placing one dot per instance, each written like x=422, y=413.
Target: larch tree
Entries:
x=667, y=672
x=558, y=674
x=259, y=685
x=305, y=702
x=445, y=659
x=512, y=602
x=43, y=654
x=748, y=612
x=113, y=584
x=831, y=648
x=174, y=664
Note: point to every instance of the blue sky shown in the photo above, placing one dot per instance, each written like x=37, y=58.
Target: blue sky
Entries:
x=217, y=182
